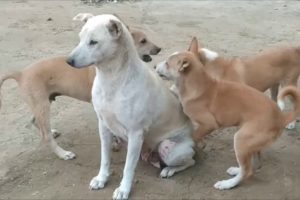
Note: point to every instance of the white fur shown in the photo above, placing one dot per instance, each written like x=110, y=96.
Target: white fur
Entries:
x=210, y=55
x=291, y=125
x=170, y=74
x=281, y=104
x=83, y=17
x=232, y=182
x=131, y=102
x=174, y=89
x=232, y=171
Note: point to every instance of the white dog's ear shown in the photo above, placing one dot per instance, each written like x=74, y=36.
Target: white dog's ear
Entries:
x=183, y=64
x=115, y=28
x=84, y=17
x=116, y=15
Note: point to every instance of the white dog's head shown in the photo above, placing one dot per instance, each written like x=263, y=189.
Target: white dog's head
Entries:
x=100, y=39
x=145, y=47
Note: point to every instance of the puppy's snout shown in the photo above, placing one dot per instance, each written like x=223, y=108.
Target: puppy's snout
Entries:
x=71, y=61
x=154, y=66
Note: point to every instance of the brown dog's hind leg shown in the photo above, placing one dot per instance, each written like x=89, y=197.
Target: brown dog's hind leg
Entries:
x=243, y=154
x=54, y=132
x=256, y=160
x=42, y=120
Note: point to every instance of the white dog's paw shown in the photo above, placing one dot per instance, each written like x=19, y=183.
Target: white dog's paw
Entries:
x=120, y=194
x=97, y=183
x=225, y=184
x=291, y=125
x=167, y=172
x=232, y=171
x=55, y=133
x=68, y=155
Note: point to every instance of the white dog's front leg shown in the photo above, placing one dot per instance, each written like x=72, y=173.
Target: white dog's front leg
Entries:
x=100, y=180
x=135, y=142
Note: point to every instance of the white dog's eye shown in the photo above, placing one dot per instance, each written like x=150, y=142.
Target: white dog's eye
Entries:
x=93, y=42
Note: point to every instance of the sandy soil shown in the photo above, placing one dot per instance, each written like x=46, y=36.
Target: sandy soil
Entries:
x=28, y=170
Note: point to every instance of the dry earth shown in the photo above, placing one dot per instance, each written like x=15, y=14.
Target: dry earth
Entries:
x=28, y=170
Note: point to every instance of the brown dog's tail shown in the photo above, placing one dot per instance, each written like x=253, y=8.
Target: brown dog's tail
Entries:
x=14, y=75
x=293, y=92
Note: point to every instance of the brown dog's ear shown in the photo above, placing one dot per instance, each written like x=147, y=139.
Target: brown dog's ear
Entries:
x=183, y=64
x=84, y=17
x=194, y=46
x=115, y=28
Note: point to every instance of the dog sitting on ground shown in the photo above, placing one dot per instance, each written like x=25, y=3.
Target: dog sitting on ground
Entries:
x=214, y=103
x=46, y=79
x=267, y=70
x=131, y=102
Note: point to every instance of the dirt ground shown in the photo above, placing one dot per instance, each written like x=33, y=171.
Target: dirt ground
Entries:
x=28, y=170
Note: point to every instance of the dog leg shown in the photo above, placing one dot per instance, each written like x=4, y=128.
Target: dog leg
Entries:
x=42, y=122
x=135, y=142
x=177, y=155
x=274, y=92
x=256, y=161
x=256, y=164
x=99, y=181
x=202, y=130
x=54, y=132
x=244, y=170
x=291, y=81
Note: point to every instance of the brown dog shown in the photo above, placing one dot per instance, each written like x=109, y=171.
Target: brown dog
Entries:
x=267, y=70
x=214, y=104
x=42, y=81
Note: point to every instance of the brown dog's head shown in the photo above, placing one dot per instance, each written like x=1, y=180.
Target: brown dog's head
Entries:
x=179, y=62
x=144, y=46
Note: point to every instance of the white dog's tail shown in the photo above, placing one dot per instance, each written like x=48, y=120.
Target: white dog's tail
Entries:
x=293, y=92
x=14, y=75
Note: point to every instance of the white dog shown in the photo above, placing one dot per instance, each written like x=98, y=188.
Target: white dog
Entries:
x=131, y=102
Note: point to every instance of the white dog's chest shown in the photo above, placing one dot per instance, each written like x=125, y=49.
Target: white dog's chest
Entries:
x=118, y=112
x=107, y=110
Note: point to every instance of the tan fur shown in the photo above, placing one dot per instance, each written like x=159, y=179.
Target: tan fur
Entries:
x=268, y=69
x=42, y=81
x=214, y=103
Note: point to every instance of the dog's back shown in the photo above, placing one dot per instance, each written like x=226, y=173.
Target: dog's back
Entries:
x=55, y=76
x=272, y=67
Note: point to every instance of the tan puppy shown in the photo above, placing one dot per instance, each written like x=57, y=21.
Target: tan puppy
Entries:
x=214, y=104
x=267, y=70
x=42, y=81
